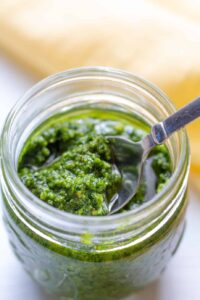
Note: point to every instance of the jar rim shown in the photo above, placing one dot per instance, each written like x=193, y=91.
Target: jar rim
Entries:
x=36, y=205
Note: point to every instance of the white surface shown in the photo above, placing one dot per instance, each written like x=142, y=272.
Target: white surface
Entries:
x=181, y=280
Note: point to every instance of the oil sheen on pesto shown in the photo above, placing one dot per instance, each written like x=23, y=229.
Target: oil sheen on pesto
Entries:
x=67, y=162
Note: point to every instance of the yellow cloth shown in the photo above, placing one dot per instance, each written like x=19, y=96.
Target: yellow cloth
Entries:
x=195, y=182
x=156, y=39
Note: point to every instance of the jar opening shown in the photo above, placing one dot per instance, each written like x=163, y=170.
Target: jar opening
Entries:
x=82, y=84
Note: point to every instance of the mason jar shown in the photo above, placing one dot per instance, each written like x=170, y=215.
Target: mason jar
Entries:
x=86, y=257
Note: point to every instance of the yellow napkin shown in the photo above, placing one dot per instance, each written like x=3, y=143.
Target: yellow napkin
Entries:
x=194, y=182
x=187, y=8
x=156, y=39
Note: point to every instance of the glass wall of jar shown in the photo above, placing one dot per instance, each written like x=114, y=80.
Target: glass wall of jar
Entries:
x=80, y=257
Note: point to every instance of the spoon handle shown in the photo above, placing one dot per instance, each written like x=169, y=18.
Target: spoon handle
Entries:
x=179, y=119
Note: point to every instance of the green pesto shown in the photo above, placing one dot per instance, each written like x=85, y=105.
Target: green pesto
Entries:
x=68, y=162
x=89, y=270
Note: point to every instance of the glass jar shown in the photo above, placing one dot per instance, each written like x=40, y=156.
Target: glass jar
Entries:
x=80, y=257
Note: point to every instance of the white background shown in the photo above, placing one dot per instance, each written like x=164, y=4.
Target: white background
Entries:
x=181, y=280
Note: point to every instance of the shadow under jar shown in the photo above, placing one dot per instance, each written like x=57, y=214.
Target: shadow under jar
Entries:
x=86, y=257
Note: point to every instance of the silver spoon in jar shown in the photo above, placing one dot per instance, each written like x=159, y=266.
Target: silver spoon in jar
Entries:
x=130, y=156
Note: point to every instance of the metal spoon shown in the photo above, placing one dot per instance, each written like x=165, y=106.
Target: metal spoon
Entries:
x=130, y=156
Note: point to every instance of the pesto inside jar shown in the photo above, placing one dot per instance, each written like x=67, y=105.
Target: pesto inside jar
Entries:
x=68, y=163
